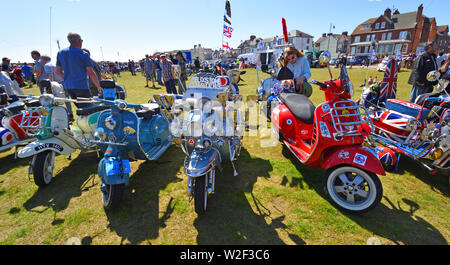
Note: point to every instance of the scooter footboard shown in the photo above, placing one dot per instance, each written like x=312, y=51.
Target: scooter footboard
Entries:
x=114, y=171
x=357, y=156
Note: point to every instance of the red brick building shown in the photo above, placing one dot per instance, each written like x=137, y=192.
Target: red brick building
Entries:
x=398, y=33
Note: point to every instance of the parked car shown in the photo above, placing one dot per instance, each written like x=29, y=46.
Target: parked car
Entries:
x=333, y=61
x=361, y=60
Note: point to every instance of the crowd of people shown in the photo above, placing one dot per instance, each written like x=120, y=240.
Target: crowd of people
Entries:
x=80, y=74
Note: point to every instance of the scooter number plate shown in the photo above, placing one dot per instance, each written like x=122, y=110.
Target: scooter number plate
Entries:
x=49, y=146
x=113, y=167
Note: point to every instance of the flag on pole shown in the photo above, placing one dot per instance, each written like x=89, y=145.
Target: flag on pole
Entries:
x=228, y=8
x=389, y=85
x=225, y=19
x=227, y=31
x=226, y=45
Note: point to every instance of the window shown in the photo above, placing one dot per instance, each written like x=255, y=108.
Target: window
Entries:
x=383, y=25
x=373, y=37
x=403, y=35
x=353, y=50
x=405, y=48
x=383, y=37
x=377, y=26
x=389, y=36
x=398, y=48
x=357, y=39
x=368, y=38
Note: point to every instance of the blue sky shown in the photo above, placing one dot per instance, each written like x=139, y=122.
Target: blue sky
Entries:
x=136, y=27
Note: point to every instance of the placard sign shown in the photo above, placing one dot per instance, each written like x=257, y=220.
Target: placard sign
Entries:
x=209, y=81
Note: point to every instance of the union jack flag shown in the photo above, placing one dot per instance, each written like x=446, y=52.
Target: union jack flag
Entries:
x=386, y=156
x=227, y=31
x=389, y=85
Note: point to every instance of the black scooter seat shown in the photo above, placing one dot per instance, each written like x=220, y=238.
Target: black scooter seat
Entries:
x=33, y=103
x=149, y=111
x=300, y=106
x=14, y=108
x=91, y=110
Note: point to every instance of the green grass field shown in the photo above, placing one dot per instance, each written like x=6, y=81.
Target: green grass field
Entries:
x=274, y=200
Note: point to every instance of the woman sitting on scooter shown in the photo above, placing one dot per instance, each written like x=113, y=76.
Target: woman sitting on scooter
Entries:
x=298, y=63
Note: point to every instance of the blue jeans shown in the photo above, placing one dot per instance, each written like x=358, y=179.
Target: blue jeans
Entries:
x=417, y=91
x=158, y=77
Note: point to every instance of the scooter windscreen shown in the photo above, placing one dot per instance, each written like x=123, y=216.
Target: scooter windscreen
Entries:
x=346, y=86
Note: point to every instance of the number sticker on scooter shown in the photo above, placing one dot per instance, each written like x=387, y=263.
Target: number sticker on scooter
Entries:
x=48, y=146
x=360, y=159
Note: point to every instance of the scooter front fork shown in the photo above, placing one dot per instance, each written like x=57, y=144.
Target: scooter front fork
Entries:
x=211, y=184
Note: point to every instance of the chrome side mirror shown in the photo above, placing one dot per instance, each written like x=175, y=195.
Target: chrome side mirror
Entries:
x=433, y=76
x=325, y=57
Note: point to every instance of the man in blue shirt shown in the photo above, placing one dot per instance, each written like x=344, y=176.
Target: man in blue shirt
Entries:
x=74, y=65
x=149, y=69
x=26, y=69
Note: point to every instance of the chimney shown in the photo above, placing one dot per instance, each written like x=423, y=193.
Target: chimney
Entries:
x=324, y=35
x=345, y=33
x=329, y=34
x=387, y=13
x=252, y=37
x=419, y=12
x=396, y=12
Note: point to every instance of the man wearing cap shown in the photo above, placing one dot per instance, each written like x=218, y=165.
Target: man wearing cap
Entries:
x=423, y=65
x=74, y=65
x=166, y=70
x=38, y=69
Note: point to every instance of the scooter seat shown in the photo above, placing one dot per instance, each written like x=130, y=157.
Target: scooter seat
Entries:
x=407, y=108
x=148, y=111
x=14, y=108
x=302, y=108
x=91, y=110
x=33, y=104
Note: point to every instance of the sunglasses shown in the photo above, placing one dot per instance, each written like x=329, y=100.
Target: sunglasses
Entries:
x=293, y=57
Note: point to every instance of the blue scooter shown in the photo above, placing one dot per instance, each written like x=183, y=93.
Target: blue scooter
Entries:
x=126, y=136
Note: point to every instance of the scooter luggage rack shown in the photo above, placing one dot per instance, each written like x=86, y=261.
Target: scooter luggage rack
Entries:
x=33, y=124
x=340, y=126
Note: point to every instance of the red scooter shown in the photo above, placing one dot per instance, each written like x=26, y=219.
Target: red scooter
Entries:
x=331, y=137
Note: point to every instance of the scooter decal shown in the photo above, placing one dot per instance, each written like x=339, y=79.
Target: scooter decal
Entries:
x=326, y=108
x=191, y=142
x=324, y=130
x=360, y=159
x=289, y=122
x=49, y=145
x=344, y=155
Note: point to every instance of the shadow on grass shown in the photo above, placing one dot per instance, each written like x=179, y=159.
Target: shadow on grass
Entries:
x=137, y=219
x=438, y=182
x=230, y=219
x=66, y=185
x=400, y=225
x=8, y=163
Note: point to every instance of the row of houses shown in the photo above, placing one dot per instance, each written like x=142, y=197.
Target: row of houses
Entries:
x=393, y=32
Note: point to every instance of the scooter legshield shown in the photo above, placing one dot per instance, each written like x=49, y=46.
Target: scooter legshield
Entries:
x=357, y=156
x=201, y=163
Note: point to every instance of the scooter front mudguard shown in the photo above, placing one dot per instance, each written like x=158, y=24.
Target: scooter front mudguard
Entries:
x=199, y=164
x=114, y=171
x=357, y=156
x=52, y=144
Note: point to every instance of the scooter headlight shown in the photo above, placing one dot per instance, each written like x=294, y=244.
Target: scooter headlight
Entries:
x=437, y=154
x=110, y=123
x=210, y=127
x=122, y=105
x=46, y=99
x=100, y=134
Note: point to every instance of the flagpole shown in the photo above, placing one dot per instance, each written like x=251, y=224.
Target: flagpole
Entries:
x=224, y=15
x=50, y=32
